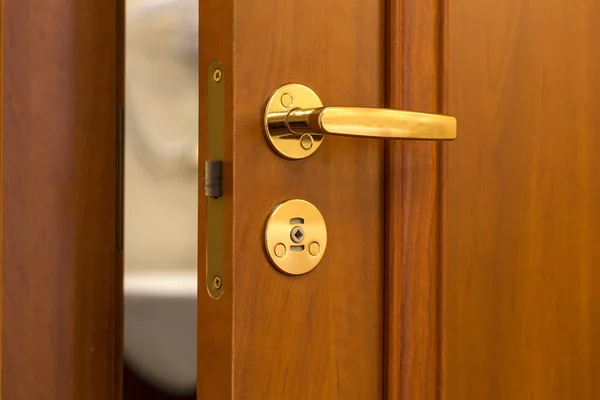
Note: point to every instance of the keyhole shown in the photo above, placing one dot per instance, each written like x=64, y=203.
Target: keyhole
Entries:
x=297, y=234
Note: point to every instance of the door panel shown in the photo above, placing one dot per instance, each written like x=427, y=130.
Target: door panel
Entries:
x=320, y=334
x=521, y=292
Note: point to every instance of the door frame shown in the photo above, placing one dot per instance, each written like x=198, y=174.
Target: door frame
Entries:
x=60, y=183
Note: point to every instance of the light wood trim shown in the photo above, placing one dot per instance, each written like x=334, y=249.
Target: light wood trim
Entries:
x=415, y=81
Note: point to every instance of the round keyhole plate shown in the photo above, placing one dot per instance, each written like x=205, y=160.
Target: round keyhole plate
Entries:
x=295, y=257
x=285, y=143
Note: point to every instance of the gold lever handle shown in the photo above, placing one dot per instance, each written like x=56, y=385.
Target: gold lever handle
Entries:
x=372, y=123
x=295, y=122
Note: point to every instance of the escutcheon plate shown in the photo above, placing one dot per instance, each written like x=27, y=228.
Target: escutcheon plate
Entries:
x=295, y=237
x=283, y=100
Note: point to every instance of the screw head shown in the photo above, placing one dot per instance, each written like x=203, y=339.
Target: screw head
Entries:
x=306, y=141
x=217, y=282
x=287, y=100
x=217, y=75
x=280, y=250
x=314, y=249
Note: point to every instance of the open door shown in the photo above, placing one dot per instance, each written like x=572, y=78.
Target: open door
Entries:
x=60, y=232
x=455, y=271
x=321, y=239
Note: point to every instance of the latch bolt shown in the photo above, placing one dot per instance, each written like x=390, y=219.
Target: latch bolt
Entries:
x=213, y=179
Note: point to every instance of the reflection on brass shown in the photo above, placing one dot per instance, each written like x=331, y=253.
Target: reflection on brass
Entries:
x=215, y=207
x=295, y=128
x=283, y=141
x=295, y=237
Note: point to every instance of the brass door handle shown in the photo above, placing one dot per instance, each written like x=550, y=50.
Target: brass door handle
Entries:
x=296, y=121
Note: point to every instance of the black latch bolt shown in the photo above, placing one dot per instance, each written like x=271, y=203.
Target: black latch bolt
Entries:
x=213, y=179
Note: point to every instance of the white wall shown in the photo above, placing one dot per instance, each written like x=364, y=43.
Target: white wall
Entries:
x=161, y=130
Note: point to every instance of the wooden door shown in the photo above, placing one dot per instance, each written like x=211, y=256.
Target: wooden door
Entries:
x=61, y=325
x=521, y=262
x=363, y=324
x=466, y=271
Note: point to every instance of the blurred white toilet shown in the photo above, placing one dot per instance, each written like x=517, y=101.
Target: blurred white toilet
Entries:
x=161, y=192
x=160, y=328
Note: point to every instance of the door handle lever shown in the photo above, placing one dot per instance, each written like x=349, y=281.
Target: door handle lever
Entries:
x=296, y=121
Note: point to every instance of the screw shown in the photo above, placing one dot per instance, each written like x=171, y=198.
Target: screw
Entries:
x=297, y=234
x=280, y=250
x=217, y=283
x=217, y=75
x=287, y=100
x=314, y=249
x=306, y=141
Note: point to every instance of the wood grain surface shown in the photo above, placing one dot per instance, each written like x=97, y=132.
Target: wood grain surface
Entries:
x=60, y=332
x=416, y=73
x=318, y=336
x=521, y=293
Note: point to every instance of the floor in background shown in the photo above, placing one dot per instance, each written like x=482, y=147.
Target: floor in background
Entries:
x=136, y=389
